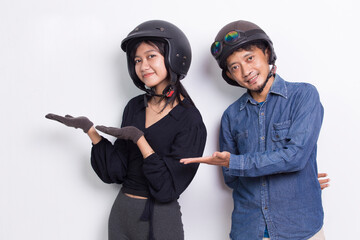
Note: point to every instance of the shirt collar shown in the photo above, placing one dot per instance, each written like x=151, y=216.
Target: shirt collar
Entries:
x=278, y=88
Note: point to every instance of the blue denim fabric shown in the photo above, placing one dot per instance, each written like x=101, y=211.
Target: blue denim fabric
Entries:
x=273, y=170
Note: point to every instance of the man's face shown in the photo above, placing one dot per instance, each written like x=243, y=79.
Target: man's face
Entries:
x=249, y=68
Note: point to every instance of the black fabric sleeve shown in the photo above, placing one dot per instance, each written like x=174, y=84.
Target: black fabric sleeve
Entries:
x=167, y=177
x=109, y=161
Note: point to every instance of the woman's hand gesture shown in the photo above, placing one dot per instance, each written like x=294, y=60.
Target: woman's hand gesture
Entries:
x=77, y=122
x=126, y=133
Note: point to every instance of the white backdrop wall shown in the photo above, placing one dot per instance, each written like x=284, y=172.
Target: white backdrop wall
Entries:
x=64, y=57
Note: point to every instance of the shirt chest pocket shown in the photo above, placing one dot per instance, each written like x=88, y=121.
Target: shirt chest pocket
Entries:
x=280, y=133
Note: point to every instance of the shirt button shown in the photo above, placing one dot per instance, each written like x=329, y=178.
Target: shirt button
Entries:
x=265, y=207
x=262, y=114
x=262, y=138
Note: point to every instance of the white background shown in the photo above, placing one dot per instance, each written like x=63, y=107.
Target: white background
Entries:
x=64, y=56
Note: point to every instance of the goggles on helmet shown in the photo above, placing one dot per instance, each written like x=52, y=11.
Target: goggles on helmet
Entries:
x=234, y=37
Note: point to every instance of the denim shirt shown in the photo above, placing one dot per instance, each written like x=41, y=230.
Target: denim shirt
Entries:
x=273, y=170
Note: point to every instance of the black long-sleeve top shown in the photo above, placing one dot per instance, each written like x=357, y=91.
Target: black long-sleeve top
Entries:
x=180, y=134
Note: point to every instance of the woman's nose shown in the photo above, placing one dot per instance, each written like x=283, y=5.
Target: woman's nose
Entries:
x=144, y=64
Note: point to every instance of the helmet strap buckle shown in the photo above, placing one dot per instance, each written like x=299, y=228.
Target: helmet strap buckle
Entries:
x=169, y=92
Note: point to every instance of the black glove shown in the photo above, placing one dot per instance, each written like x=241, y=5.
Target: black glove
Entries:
x=78, y=122
x=126, y=133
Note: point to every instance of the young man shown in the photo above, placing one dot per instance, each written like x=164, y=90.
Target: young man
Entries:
x=268, y=142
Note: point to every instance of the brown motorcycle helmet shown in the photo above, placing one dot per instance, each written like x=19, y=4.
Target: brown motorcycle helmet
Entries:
x=234, y=35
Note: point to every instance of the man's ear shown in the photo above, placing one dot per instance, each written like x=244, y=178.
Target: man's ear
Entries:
x=268, y=54
x=228, y=74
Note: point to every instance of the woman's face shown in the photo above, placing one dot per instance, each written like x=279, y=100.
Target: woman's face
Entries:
x=150, y=67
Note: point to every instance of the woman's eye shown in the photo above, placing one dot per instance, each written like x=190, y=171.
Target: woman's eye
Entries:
x=137, y=61
x=152, y=56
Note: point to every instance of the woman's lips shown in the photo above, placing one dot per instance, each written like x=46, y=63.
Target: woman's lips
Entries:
x=147, y=75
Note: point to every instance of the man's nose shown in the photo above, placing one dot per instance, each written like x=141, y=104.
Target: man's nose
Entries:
x=246, y=70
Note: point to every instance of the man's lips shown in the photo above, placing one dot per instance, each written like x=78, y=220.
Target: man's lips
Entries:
x=252, y=80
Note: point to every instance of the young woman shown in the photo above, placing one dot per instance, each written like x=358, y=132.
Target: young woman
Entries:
x=158, y=129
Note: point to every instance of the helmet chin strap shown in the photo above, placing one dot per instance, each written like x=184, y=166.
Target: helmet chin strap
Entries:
x=168, y=90
x=167, y=93
x=271, y=74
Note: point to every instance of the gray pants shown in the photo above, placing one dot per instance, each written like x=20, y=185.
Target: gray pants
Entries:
x=125, y=223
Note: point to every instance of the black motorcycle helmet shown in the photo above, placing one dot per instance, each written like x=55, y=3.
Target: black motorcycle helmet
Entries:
x=234, y=35
x=177, y=48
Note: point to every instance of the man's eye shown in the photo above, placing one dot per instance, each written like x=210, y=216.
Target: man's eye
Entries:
x=234, y=68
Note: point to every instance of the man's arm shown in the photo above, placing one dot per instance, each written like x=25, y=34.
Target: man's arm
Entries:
x=223, y=158
x=292, y=156
x=218, y=158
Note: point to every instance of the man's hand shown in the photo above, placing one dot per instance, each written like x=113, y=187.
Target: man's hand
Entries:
x=218, y=158
x=323, y=180
x=77, y=122
x=126, y=133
